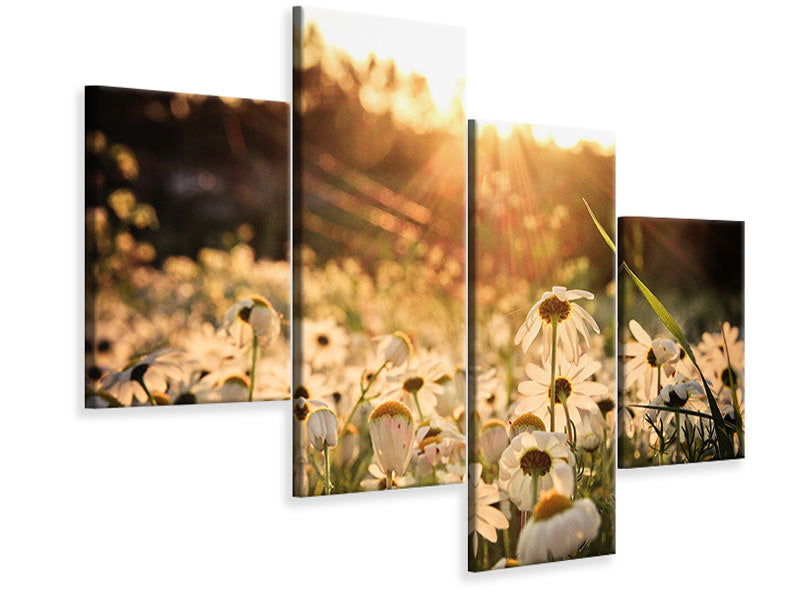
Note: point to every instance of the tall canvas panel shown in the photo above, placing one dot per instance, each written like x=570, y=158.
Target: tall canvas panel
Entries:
x=681, y=365
x=542, y=344
x=378, y=253
x=187, y=272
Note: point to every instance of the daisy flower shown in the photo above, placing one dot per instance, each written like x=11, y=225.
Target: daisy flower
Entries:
x=391, y=429
x=526, y=422
x=395, y=348
x=322, y=428
x=149, y=375
x=439, y=442
x=559, y=528
x=484, y=519
x=416, y=387
x=575, y=391
x=647, y=357
x=324, y=344
x=557, y=308
x=252, y=316
x=542, y=455
x=493, y=440
x=714, y=358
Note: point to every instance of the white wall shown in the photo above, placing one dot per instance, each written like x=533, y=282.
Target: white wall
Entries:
x=195, y=503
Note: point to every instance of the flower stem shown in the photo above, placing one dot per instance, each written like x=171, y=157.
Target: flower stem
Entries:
x=419, y=410
x=362, y=396
x=535, y=490
x=326, y=456
x=389, y=481
x=677, y=437
x=553, y=379
x=253, y=368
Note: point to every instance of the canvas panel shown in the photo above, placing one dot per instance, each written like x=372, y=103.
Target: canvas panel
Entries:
x=187, y=272
x=542, y=343
x=378, y=253
x=674, y=403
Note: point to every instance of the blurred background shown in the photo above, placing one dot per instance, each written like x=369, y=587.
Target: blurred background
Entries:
x=695, y=267
x=381, y=143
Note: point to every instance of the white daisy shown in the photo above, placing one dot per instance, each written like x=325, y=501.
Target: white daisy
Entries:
x=146, y=376
x=493, y=440
x=253, y=315
x=646, y=356
x=574, y=389
x=538, y=454
x=324, y=344
x=391, y=429
x=484, y=519
x=571, y=320
x=416, y=387
x=559, y=527
x=395, y=348
x=322, y=428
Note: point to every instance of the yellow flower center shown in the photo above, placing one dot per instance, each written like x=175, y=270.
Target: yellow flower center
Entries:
x=535, y=462
x=550, y=504
x=563, y=389
x=554, y=310
x=497, y=423
x=391, y=408
x=651, y=358
x=528, y=420
x=414, y=384
x=605, y=405
x=244, y=313
x=729, y=378
x=675, y=401
x=237, y=380
x=301, y=410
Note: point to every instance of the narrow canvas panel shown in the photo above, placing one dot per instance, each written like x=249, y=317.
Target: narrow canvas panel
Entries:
x=681, y=365
x=379, y=330
x=542, y=345
x=187, y=273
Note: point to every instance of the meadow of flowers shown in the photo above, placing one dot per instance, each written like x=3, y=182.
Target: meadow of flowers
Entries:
x=380, y=383
x=542, y=410
x=682, y=378
x=170, y=319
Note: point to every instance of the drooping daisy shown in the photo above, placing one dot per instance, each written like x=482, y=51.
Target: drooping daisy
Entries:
x=484, y=519
x=324, y=344
x=395, y=348
x=573, y=389
x=646, y=358
x=493, y=440
x=322, y=428
x=558, y=308
x=391, y=429
x=559, y=527
x=249, y=316
x=538, y=454
x=144, y=377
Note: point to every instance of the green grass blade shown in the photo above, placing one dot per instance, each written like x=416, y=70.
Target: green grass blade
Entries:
x=683, y=411
x=600, y=228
